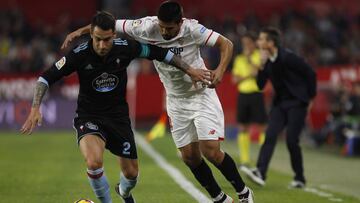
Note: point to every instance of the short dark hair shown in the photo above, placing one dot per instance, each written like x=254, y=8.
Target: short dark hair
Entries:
x=103, y=20
x=251, y=35
x=170, y=11
x=273, y=34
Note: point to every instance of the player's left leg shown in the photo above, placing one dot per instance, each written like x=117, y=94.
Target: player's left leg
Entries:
x=128, y=178
x=210, y=129
x=223, y=161
x=243, y=119
x=121, y=143
x=191, y=156
x=244, y=144
x=296, y=122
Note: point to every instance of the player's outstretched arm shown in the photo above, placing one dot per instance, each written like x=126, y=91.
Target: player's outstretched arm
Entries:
x=165, y=55
x=226, y=51
x=35, y=117
x=75, y=34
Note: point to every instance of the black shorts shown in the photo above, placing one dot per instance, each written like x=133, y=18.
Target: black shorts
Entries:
x=251, y=108
x=115, y=131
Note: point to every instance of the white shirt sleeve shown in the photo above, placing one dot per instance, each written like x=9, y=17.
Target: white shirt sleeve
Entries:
x=133, y=28
x=203, y=35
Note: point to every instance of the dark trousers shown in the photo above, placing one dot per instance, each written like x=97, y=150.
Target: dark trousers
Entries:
x=290, y=114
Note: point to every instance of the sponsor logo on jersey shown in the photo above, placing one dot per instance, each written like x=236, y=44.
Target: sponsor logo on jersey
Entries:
x=136, y=23
x=60, y=63
x=105, y=82
x=202, y=30
x=177, y=51
x=91, y=126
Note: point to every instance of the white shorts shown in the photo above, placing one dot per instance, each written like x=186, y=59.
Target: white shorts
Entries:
x=198, y=117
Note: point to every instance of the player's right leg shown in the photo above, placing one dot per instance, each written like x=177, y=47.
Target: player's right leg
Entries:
x=92, y=148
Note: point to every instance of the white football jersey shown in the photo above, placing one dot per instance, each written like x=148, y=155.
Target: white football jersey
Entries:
x=186, y=44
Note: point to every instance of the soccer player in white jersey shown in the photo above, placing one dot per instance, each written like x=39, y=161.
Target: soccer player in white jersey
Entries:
x=196, y=115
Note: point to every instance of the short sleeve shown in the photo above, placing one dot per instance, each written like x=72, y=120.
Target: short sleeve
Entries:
x=133, y=28
x=203, y=35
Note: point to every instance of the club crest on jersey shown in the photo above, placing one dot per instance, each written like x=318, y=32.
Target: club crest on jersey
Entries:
x=60, y=63
x=91, y=126
x=136, y=23
x=105, y=82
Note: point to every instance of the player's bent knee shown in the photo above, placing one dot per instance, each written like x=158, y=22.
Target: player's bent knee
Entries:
x=214, y=156
x=191, y=161
x=94, y=163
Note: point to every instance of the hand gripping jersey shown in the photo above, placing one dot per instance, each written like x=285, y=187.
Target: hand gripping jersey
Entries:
x=186, y=44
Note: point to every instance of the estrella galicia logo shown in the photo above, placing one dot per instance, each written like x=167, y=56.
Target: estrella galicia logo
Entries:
x=105, y=82
x=91, y=126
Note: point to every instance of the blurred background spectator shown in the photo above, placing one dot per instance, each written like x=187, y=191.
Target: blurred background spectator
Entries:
x=326, y=36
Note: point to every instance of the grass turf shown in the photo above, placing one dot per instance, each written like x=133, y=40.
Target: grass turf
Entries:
x=48, y=167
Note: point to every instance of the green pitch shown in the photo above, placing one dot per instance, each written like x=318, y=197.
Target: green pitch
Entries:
x=47, y=167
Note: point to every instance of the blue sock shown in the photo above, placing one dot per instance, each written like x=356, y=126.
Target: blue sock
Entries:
x=126, y=185
x=99, y=184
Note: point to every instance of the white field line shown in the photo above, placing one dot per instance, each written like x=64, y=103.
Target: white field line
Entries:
x=173, y=172
x=324, y=194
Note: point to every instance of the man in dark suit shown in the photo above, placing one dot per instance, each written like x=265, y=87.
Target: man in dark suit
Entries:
x=294, y=83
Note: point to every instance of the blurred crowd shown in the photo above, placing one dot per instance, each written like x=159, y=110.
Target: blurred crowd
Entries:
x=323, y=39
x=26, y=48
x=344, y=117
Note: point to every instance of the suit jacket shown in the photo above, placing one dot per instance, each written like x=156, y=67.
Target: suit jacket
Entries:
x=292, y=72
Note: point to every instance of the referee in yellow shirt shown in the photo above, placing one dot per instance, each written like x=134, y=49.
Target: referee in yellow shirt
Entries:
x=250, y=105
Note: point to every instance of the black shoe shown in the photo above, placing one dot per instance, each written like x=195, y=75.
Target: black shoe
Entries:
x=254, y=175
x=128, y=199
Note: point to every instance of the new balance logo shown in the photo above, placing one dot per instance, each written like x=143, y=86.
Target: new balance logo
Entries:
x=89, y=67
x=211, y=132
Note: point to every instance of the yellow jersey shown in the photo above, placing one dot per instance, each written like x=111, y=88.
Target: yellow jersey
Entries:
x=243, y=68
